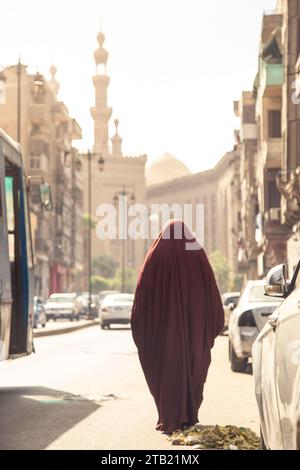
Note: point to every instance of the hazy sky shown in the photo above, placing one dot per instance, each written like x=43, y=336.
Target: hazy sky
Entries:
x=175, y=65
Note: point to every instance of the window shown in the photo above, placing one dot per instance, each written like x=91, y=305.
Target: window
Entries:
x=10, y=211
x=35, y=163
x=274, y=124
x=9, y=203
x=274, y=194
x=249, y=114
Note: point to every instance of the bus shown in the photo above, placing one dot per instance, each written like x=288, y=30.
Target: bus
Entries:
x=16, y=254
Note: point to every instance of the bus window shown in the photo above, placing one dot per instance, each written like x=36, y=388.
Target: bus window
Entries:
x=9, y=197
x=1, y=209
x=16, y=268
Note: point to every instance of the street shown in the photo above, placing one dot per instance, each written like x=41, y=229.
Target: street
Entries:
x=86, y=390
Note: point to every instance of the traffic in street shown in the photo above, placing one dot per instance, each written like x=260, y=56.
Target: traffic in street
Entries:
x=86, y=390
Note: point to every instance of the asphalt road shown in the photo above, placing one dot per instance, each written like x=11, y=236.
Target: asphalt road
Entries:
x=85, y=390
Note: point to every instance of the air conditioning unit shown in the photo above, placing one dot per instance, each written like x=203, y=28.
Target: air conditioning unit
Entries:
x=275, y=214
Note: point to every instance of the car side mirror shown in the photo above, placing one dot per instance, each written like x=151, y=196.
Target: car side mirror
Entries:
x=231, y=306
x=46, y=197
x=276, y=283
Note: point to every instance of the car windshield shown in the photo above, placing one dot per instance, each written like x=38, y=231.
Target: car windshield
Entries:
x=62, y=299
x=257, y=294
x=120, y=298
x=93, y=297
x=230, y=300
x=102, y=295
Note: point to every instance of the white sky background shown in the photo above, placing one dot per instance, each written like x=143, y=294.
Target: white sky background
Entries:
x=175, y=65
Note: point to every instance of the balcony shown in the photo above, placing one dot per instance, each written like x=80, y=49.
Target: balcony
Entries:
x=271, y=79
x=272, y=150
x=248, y=131
x=38, y=113
x=273, y=229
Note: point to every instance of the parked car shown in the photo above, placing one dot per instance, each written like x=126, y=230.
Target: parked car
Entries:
x=229, y=300
x=104, y=293
x=276, y=365
x=246, y=321
x=63, y=306
x=39, y=314
x=83, y=300
x=116, y=308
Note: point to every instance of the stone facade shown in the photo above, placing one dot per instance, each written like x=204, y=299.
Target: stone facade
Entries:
x=217, y=189
x=46, y=133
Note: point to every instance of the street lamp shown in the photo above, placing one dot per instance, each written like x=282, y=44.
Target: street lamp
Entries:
x=78, y=164
x=123, y=193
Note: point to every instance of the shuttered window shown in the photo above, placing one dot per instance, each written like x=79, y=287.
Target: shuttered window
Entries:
x=274, y=123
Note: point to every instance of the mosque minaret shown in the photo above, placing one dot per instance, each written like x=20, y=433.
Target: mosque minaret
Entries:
x=121, y=171
x=101, y=112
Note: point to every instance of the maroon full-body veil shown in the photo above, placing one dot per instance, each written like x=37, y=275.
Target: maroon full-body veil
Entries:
x=176, y=316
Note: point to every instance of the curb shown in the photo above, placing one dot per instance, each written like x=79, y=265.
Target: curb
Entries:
x=66, y=329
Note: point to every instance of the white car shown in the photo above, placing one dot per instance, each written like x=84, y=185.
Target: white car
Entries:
x=276, y=365
x=63, y=306
x=116, y=309
x=105, y=293
x=229, y=301
x=246, y=321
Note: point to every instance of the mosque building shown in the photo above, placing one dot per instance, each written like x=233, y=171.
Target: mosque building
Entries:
x=166, y=180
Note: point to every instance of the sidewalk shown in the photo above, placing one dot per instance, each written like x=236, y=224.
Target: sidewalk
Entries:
x=62, y=327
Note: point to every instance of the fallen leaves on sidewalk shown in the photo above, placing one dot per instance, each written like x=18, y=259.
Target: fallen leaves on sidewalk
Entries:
x=217, y=437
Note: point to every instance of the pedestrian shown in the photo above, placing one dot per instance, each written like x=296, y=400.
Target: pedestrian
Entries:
x=176, y=316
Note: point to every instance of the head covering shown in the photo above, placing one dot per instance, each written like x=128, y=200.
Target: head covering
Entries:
x=177, y=314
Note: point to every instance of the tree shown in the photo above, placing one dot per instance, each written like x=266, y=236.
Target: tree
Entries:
x=221, y=269
x=86, y=222
x=100, y=283
x=130, y=279
x=237, y=283
x=104, y=266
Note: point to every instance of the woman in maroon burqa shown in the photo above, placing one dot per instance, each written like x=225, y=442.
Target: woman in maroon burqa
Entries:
x=176, y=316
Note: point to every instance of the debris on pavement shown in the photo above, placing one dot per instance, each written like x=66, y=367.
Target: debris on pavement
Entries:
x=217, y=437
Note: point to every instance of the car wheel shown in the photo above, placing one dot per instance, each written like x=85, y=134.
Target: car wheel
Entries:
x=262, y=441
x=237, y=364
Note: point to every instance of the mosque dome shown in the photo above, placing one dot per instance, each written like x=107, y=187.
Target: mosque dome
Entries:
x=165, y=168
